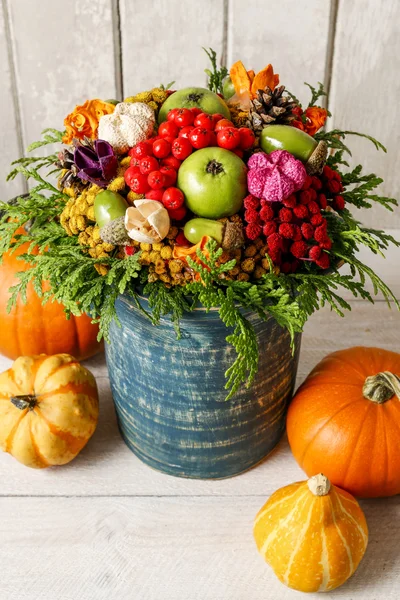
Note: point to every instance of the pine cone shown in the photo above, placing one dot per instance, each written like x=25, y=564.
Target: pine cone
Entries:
x=270, y=107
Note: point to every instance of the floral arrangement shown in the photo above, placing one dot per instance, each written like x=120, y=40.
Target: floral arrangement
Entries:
x=233, y=197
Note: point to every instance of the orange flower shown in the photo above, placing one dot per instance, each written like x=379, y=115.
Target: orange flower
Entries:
x=315, y=119
x=84, y=120
x=246, y=83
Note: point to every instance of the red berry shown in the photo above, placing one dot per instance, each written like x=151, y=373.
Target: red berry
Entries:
x=200, y=138
x=247, y=138
x=320, y=234
x=251, y=202
x=168, y=129
x=222, y=124
x=326, y=244
x=285, y=215
x=130, y=250
x=314, y=252
x=171, y=114
x=307, y=183
x=139, y=183
x=177, y=214
x=184, y=117
x=317, y=219
x=228, y=138
x=148, y=164
x=196, y=110
x=204, y=120
x=286, y=230
x=301, y=211
x=304, y=197
x=185, y=131
x=267, y=212
x=323, y=261
x=307, y=230
x=217, y=117
x=275, y=242
x=171, y=161
x=141, y=150
x=339, y=202
x=161, y=148
x=336, y=175
x=170, y=175
x=135, y=162
x=181, y=148
x=180, y=240
x=129, y=174
x=251, y=216
x=322, y=201
x=156, y=180
x=327, y=172
x=253, y=231
x=155, y=194
x=269, y=228
x=173, y=198
x=290, y=201
x=299, y=249
x=297, y=236
x=316, y=183
x=313, y=207
x=313, y=194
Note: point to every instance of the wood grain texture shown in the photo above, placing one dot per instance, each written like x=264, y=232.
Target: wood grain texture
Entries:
x=293, y=36
x=9, y=140
x=107, y=467
x=169, y=549
x=165, y=43
x=64, y=54
x=365, y=90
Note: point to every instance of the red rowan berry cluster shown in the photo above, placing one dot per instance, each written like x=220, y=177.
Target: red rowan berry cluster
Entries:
x=296, y=229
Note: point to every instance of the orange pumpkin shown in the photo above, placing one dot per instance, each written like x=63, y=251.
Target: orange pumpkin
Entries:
x=345, y=421
x=49, y=408
x=313, y=535
x=33, y=328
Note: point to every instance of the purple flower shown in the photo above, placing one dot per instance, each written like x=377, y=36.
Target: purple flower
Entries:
x=98, y=164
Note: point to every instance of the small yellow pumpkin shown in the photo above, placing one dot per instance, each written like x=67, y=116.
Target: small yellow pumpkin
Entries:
x=49, y=409
x=313, y=534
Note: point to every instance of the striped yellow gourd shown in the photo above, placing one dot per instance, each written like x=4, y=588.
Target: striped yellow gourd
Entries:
x=49, y=408
x=313, y=534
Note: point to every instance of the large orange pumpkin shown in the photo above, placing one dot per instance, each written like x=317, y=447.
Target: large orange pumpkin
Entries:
x=345, y=421
x=34, y=328
x=49, y=408
x=312, y=534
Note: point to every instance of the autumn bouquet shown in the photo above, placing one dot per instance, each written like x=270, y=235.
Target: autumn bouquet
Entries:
x=234, y=197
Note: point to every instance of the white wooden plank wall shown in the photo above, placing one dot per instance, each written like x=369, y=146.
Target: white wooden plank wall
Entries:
x=54, y=54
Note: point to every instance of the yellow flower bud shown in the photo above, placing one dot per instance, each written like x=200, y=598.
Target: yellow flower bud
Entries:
x=166, y=252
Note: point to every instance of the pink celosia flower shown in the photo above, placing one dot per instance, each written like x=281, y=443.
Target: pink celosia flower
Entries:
x=275, y=176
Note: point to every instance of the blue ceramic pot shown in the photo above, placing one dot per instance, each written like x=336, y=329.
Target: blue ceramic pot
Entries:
x=170, y=399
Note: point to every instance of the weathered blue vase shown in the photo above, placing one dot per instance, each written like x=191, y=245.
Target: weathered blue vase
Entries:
x=170, y=399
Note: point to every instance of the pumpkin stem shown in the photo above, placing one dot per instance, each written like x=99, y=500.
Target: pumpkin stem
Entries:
x=381, y=387
x=24, y=401
x=319, y=485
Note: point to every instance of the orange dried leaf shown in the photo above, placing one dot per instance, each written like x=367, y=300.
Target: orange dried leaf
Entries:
x=240, y=78
x=251, y=75
x=263, y=79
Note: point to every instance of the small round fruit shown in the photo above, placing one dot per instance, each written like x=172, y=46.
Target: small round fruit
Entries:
x=155, y=194
x=173, y=198
x=109, y=206
x=161, y=148
x=147, y=165
x=130, y=173
x=184, y=117
x=228, y=138
x=239, y=152
x=181, y=148
x=214, y=182
x=200, y=138
x=185, y=131
x=222, y=123
x=135, y=162
x=177, y=214
x=204, y=120
x=228, y=89
x=196, y=111
x=170, y=175
x=180, y=240
x=217, y=117
x=156, y=180
x=171, y=115
x=139, y=183
x=168, y=129
x=198, y=97
x=171, y=161
x=247, y=138
x=141, y=150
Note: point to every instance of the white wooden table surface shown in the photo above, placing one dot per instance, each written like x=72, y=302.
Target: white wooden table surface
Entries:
x=108, y=527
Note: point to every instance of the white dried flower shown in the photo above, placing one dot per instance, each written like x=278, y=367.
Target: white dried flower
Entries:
x=129, y=124
x=148, y=221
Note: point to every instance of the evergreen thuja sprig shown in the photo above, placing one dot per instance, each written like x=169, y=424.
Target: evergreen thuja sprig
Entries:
x=215, y=75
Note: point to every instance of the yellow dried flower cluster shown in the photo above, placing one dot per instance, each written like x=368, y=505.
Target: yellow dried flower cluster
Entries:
x=153, y=98
x=118, y=183
x=79, y=210
x=93, y=244
x=239, y=117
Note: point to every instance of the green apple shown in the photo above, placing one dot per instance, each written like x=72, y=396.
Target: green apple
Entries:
x=194, y=96
x=228, y=89
x=214, y=182
x=109, y=206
